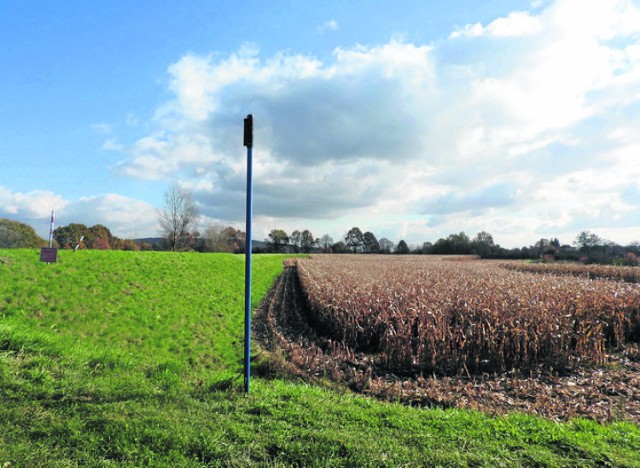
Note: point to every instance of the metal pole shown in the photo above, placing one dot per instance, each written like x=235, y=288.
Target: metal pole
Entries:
x=53, y=216
x=248, y=142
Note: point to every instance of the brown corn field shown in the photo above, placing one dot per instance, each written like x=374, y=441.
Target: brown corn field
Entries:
x=421, y=314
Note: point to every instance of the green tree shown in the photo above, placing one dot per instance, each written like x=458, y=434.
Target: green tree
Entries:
x=426, y=247
x=236, y=239
x=295, y=239
x=386, y=245
x=277, y=238
x=102, y=237
x=307, y=242
x=458, y=244
x=402, y=248
x=482, y=244
x=339, y=247
x=354, y=239
x=326, y=241
x=69, y=236
x=370, y=243
x=17, y=235
x=587, y=240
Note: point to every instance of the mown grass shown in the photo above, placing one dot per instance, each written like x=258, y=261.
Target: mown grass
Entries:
x=134, y=359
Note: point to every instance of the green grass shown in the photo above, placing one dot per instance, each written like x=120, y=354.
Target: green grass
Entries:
x=134, y=359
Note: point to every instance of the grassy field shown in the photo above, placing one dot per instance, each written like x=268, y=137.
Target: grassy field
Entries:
x=134, y=358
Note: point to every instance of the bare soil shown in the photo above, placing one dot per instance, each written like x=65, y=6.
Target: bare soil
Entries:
x=606, y=392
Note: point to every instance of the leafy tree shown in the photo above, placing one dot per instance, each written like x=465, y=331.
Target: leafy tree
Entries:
x=458, y=244
x=386, y=246
x=95, y=237
x=178, y=219
x=354, y=240
x=402, y=248
x=236, y=239
x=339, y=247
x=484, y=237
x=426, y=247
x=325, y=242
x=277, y=238
x=69, y=236
x=587, y=240
x=370, y=243
x=482, y=244
x=307, y=242
x=17, y=235
x=544, y=248
x=101, y=236
x=295, y=239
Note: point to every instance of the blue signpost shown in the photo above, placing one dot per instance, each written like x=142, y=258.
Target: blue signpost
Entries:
x=248, y=142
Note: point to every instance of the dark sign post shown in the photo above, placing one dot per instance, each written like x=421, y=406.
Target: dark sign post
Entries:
x=248, y=142
x=48, y=254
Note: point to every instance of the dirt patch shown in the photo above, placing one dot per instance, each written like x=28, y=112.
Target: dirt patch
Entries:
x=603, y=393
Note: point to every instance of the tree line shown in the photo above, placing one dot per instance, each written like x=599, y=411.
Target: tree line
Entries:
x=14, y=234
x=588, y=247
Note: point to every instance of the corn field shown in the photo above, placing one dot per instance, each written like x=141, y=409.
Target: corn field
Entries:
x=420, y=314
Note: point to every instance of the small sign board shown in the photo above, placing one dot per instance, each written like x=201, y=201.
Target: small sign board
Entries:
x=48, y=254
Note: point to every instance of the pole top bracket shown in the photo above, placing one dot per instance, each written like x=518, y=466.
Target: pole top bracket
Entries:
x=248, y=131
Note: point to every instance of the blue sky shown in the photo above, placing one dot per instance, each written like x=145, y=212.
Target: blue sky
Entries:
x=410, y=119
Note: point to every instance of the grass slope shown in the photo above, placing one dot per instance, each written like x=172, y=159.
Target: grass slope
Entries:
x=133, y=358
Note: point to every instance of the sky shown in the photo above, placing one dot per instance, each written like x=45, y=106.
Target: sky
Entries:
x=406, y=118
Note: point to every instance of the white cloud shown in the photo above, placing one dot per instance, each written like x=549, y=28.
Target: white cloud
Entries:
x=102, y=128
x=331, y=25
x=111, y=144
x=515, y=24
x=521, y=127
x=36, y=204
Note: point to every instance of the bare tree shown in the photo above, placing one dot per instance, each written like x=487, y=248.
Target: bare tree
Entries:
x=215, y=239
x=178, y=219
